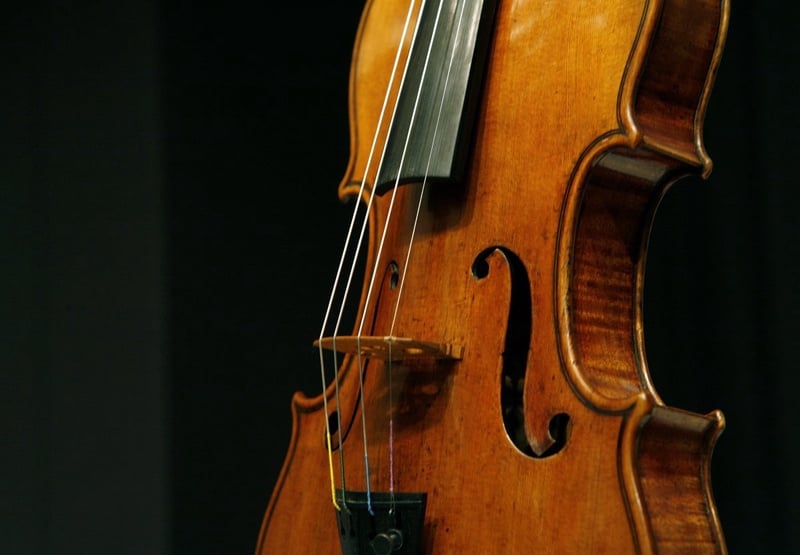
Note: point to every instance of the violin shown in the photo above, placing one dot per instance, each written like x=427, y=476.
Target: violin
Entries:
x=492, y=393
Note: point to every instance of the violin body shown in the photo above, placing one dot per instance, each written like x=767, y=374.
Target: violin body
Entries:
x=538, y=429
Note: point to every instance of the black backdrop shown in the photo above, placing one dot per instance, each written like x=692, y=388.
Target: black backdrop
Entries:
x=170, y=228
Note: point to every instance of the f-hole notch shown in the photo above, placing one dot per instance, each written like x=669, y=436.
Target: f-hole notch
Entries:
x=515, y=358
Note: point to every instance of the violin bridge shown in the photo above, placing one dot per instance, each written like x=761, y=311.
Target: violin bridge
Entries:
x=391, y=348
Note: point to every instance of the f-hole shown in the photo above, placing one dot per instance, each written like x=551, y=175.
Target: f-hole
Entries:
x=515, y=357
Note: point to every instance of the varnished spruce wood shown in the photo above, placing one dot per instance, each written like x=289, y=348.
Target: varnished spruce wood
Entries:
x=589, y=112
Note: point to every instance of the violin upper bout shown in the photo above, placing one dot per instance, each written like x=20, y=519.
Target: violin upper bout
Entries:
x=673, y=74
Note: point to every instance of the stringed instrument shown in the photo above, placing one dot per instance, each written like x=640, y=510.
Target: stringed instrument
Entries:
x=492, y=394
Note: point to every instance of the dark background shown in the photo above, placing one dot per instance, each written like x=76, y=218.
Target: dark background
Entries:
x=170, y=228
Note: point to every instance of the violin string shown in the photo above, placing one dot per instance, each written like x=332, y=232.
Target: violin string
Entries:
x=384, y=233
x=346, y=291
x=406, y=263
x=359, y=335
